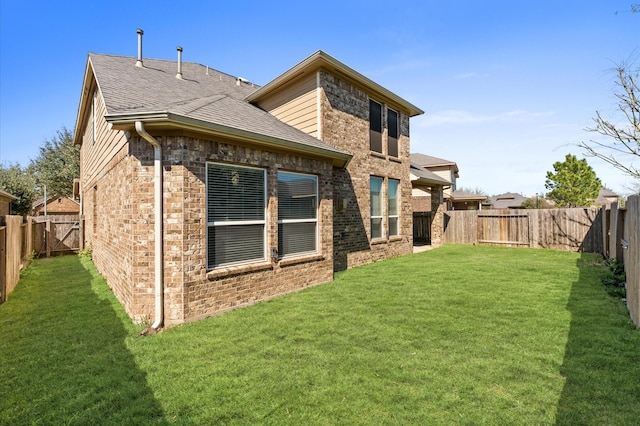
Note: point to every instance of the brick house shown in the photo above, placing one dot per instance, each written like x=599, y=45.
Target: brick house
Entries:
x=255, y=191
x=5, y=202
x=56, y=206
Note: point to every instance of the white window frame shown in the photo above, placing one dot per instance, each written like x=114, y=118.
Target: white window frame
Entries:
x=308, y=220
x=214, y=224
x=389, y=215
x=382, y=210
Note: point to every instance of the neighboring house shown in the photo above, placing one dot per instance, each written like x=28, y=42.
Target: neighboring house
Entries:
x=448, y=170
x=462, y=200
x=202, y=192
x=5, y=203
x=55, y=206
x=606, y=197
x=509, y=200
x=427, y=204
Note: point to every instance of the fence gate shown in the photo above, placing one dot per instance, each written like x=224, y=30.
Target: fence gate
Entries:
x=57, y=234
x=422, y=227
x=504, y=229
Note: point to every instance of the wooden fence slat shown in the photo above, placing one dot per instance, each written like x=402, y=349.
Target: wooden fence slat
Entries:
x=560, y=229
x=631, y=256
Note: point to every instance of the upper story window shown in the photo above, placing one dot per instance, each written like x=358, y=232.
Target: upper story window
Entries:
x=236, y=215
x=375, y=199
x=392, y=208
x=297, y=214
x=392, y=133
x=375, y=126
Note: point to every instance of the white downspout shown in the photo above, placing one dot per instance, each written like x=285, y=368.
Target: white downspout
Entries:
x=158, y=257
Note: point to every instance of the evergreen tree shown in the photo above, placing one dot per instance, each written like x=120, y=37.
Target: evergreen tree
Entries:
x=574, y=183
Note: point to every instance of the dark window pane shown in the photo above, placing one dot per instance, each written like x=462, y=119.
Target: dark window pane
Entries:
x=236, y=243
x=296, y=238
x=234, y=193
x=392, y=138
x=297, y=196
x=375, y=126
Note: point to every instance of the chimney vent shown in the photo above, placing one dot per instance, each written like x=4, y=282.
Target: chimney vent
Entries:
x=139, y=61
x=179, y=75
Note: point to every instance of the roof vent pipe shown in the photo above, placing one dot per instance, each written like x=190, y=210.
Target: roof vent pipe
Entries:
x=179, y=75
x=139, y=61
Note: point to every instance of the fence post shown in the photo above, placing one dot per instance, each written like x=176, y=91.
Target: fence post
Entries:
x=613, y=231
x=605, y=232
x=47, y=236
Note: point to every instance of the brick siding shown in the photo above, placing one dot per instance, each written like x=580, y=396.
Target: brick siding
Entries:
x=345, y=125
x=122, y=237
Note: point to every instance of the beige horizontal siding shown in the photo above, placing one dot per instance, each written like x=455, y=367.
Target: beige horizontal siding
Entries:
x=296, y=105
x=96, y=155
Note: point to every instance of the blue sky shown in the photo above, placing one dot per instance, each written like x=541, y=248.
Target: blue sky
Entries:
x=507, y=87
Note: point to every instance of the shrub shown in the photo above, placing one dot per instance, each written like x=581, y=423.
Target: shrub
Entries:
x=615, y=279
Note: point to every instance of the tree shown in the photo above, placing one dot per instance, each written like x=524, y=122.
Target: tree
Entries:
x=20, y=183
x=574, y=183
x=621, y=145
x=537, y=202
x=58, y=163
x=476, y=191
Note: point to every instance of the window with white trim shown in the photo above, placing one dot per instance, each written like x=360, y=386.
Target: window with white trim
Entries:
x=236, y=215
x=376, y=207
x=392, y=209
x=297, y=214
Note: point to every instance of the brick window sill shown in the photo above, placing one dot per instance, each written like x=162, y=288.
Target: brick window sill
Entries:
x=387, y=240
x=377, y=154
x=395, y=159
x=238, y=270
x=301, y=259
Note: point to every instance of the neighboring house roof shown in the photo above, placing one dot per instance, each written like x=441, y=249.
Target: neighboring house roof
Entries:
x=458, y=195
x=40, y=201
x=204, y=100
x=425, y=177
x=606, y=197
x=507, y=200
x=427, y=161
x=7, y=195
x=320, y=60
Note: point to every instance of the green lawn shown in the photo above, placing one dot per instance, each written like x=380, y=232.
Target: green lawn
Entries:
x=458, y=335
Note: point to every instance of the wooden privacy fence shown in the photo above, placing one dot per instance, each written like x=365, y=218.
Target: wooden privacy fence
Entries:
x=57, y=234
x=42, y=235
x=577, y=229
x=15, y=247
x=627, y=241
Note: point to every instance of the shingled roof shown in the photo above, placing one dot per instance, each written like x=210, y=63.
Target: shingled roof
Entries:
x=204, y=98
x=427, y=161
x=427, y=177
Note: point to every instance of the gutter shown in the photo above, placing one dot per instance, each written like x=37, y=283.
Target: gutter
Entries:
x=162, y=118
x=158, y=255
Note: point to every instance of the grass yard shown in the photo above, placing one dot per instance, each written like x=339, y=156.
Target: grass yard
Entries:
x=458, y=335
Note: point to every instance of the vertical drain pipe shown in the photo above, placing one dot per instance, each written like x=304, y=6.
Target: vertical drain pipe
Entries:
x=158, y=257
